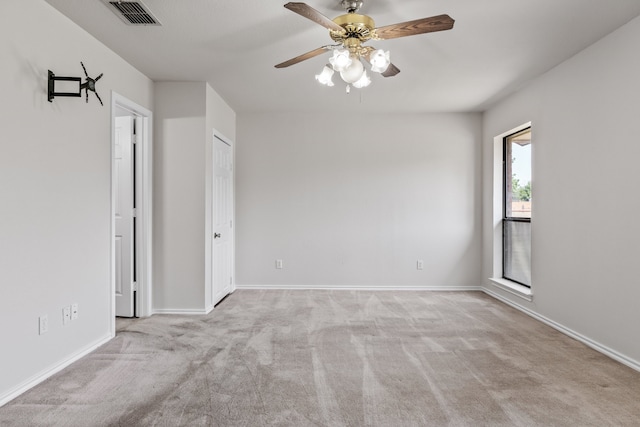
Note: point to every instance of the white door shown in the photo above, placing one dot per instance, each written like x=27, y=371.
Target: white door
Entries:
x=222, y=219
x=124, y=216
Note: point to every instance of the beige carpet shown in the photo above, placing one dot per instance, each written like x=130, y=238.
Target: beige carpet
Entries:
x=338, y=358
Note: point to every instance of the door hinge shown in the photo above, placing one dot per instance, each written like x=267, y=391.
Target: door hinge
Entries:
x=135, y=286
x=134, y=212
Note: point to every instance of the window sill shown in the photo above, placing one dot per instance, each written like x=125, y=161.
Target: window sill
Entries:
x=513, y=288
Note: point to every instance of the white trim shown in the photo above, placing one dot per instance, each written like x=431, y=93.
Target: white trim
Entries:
x=363, y=287
x=183, y=311
x=144, y=208
x=633, y=364
x=513, y=288
x=40, y=377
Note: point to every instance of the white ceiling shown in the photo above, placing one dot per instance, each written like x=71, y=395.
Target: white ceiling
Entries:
x=495, y=47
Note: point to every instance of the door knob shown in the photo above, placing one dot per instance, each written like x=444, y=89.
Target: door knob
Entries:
x=216, y=235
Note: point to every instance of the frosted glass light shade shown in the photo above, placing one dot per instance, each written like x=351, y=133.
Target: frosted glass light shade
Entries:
x=379, y=61
x=353, y=72
x=325, y=76
x=364, y=81
x=340, y=60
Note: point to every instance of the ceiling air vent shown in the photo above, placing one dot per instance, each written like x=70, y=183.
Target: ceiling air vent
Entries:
x=132, y=12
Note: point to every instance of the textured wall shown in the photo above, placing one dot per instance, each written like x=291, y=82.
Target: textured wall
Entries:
x=185, y=115
x=55, y=186
x=179, y=164
x=357, y=200
x=585, y=178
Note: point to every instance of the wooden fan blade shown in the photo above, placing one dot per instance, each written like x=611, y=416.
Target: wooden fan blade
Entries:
x=391, y=71
x=303, y=57
x=308, y=12
x=419, y=26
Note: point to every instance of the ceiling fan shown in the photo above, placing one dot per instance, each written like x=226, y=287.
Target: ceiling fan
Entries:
x=350, y=32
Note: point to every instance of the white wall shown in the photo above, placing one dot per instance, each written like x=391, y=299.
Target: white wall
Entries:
x=357, y=200
x=179, y=162
x=54, y=190
x=585, y=237
x=220, y=116
x=185, y=115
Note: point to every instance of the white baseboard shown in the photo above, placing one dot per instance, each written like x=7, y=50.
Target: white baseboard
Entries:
x=633, y=364
x=40, y=377
x=361, y=287
x=184, y=311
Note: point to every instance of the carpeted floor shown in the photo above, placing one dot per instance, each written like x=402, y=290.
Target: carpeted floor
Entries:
x=337, y=358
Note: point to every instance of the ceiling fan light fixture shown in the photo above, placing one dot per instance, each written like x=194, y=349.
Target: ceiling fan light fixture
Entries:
x=353, y=72
x=350, y=31
x=364, y=81
x=340, y=60
x=325, y=76
x=380, y=61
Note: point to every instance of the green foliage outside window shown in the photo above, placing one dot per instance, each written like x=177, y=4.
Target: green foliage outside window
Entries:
x=520, y=193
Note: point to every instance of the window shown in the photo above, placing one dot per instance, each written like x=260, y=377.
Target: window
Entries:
x=516, y=224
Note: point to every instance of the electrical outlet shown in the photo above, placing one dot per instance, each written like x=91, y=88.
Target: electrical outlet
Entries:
x=279, y=264
x=74, y=311
x=43, y=324
x=420, y=265
x=66, y=315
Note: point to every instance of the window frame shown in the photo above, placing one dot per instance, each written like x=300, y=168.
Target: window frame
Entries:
x=507, y=176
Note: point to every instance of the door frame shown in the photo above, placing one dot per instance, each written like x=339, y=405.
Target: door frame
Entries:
x=209, y=277
x=144, y=184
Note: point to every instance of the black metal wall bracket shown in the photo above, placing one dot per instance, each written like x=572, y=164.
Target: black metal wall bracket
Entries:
x=51, y=93
x=89, y=85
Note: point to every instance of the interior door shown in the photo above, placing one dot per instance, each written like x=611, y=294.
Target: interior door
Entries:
x=222, y=219
x=124, y=216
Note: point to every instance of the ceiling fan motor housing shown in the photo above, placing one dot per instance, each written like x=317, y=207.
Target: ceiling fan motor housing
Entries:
x=357, y=30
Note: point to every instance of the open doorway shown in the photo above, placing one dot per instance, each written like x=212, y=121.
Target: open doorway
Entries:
x=131, y=180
